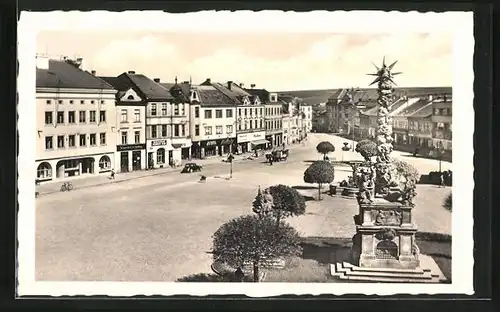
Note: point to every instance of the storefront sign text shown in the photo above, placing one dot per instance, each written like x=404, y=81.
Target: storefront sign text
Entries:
x=159, y=142
x=130, y=147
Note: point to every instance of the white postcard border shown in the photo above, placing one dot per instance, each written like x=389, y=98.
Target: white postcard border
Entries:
x=460, y=24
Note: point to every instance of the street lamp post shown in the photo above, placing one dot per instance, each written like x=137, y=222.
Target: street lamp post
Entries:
x=230, y=159
x=440, y=152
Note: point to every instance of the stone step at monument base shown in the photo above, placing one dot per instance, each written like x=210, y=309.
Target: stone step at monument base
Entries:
x=429, y=272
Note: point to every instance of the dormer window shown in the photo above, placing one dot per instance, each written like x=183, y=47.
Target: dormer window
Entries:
x=256, y=101
x=273, y=98
x=130, y=97
x=194, y=96
x=246, y=101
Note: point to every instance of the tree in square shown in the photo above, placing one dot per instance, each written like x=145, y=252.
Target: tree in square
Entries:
x=254, y=240
x=324, y=148
x=279, y=201
x=319, y=172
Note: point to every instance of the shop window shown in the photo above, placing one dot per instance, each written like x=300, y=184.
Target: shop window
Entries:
x=104, y=163
x=160, y=156
x=44, y=171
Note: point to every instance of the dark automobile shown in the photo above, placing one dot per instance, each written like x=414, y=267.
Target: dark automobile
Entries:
x=191, y=167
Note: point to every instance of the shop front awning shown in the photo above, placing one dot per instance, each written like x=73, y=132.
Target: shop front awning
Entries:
x=259, y=142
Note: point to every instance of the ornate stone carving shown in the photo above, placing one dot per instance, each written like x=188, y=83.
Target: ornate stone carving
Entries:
x=387, y=217
x=385, y=234
x=415, y=251
x=408, y=193
x=366, y=185
x=384, y=138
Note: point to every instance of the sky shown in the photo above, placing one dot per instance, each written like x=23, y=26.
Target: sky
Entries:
x=276, y=61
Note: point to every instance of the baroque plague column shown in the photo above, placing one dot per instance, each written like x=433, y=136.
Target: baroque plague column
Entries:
x=384, y=247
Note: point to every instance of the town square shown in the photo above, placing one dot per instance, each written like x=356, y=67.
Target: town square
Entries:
x=159, y=228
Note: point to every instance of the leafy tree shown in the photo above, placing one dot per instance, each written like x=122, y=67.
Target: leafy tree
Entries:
x=280, y=201
x=406, y=171
x=324, y=148
x=367, y=149
x=319, y=172
x=447, y=202
x=254, y=239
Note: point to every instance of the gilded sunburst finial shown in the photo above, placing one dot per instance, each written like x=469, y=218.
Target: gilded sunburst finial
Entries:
x=384, y=72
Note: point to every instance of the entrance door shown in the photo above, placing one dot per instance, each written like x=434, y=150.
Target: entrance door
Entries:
x=150, y=160
x=124, y=162
x=170, y=158
x=136, y=160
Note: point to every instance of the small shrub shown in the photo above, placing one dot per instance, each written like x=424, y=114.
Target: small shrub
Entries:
x=367, y=149
x=447, y=202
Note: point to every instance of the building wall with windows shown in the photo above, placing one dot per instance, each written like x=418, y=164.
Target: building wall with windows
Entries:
x=76, y=132
x=251, y=127
x=217, y=126
x=442, y=117
x=307, y=117
x=131, y=136
x=168, y=132
x=273, y=117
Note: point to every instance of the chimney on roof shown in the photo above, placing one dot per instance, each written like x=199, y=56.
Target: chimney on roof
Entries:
x=131, y=72
x=209, y=80
x=157, y=80
x=445, y=98
x=252, y=85
x=42, y=62
x=430, y=97
x=241, y=85
x=93, y=72
x=229, y=83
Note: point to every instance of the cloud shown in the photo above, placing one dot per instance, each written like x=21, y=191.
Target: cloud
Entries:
x=335, y=61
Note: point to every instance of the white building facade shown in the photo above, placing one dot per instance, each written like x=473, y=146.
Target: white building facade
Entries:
x=131, y=135
x=213, y=118
x=76, y=122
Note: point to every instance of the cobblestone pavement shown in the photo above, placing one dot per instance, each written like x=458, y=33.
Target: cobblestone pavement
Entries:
x=159, y=228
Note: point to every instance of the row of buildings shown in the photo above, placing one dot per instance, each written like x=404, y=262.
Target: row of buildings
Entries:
x=89, y=124
x=422, y=117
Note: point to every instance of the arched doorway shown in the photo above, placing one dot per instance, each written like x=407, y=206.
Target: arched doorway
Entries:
x=44, y=171
x=104, y=163
x=160, y=156
x=386, y=250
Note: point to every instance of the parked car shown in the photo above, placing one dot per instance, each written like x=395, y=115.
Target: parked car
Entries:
x=191, y=167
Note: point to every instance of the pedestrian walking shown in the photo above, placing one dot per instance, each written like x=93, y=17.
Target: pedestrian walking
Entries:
x=112, y=174
x=442, y=180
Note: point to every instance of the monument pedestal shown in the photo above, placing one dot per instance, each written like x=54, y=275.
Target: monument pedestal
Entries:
x=384, y=247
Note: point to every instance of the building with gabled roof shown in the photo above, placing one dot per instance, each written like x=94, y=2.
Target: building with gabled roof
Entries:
x=75, y=121
x=213, y=120
x=130, y=154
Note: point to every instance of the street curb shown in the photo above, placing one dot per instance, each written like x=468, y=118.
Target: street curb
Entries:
x=106, y=183
x=120, y=181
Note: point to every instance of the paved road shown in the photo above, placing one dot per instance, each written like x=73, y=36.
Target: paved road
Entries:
x=159, y=228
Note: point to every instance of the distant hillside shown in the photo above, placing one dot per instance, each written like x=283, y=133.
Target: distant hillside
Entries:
x=312, y=97
x=315, y=97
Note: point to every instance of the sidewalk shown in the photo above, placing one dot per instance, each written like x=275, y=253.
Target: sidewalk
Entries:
x=105, y=178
